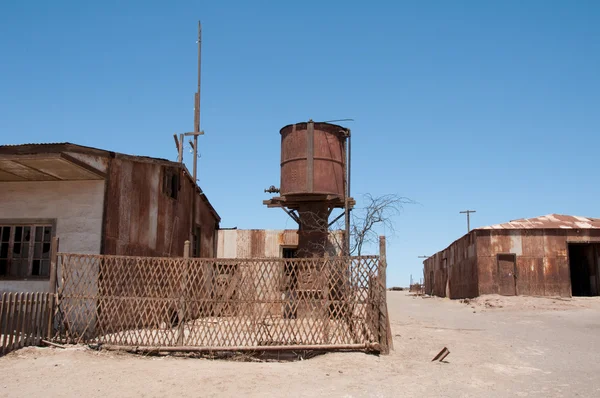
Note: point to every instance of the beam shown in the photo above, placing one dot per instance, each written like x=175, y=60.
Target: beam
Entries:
x=337, y=218
x=307, y=347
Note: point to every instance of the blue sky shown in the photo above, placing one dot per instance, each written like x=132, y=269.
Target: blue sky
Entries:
x=492, y=106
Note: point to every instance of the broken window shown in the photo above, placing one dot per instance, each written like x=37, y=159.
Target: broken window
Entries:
x=25, y=251
x=171, y=182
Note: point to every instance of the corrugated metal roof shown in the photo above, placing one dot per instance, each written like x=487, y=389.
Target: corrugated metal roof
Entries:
x=37, y=143
x=32, y=148
x=550, y=221
x=57, y=147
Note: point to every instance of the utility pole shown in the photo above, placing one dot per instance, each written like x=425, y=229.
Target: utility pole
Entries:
x=468, y=213
x=193, y=236
x=197, y=131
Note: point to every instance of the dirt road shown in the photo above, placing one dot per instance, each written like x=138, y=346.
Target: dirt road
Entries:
x=500, y=347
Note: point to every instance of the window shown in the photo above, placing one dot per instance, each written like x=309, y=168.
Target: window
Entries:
x=171, y=182
x=25, y=251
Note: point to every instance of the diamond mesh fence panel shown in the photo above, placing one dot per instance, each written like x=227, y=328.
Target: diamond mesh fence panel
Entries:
x=245, y=303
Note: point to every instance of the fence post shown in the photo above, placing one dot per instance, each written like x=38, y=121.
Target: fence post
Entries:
x=385, y=333
x=181, y=314
x=52, y=288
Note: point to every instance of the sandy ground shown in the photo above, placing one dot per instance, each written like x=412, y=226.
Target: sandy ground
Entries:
x=499, y=347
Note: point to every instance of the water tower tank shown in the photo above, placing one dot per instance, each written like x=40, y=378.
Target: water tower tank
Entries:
x=313, y=159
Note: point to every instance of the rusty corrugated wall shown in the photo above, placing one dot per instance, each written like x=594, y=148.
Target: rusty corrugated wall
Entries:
x=260, y=243
x=453, y=271
x=541, y=255
x=141, y=219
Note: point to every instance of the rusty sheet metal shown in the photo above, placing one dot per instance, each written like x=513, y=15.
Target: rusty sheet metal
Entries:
x=542, y=257
x=313, y=159
x=96, y=158
x=452, y=272
x=557, y=221
x=141, y=219
x=260, y=243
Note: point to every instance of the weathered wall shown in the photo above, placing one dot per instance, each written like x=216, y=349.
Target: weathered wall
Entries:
x=542, y=258
x=76, y=207
x=454, y=270
x=542, y=262
x=142, y=220
x=261, y=243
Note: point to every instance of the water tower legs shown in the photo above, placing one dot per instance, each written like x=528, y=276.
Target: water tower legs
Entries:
x=313, y=232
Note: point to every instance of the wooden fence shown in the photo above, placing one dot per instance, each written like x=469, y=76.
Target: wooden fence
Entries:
x=24, y=319
x=204, y=304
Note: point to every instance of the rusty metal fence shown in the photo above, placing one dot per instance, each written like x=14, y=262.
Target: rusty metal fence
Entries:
x=191, y=304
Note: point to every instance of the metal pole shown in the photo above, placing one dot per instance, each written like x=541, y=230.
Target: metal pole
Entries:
x=193, y=238
x=197, y=104
x=346, y=209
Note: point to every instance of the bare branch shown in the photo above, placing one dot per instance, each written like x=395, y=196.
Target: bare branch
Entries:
x=373, y=218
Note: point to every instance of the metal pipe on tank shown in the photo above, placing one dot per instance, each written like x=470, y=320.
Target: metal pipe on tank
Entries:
x=346, y=209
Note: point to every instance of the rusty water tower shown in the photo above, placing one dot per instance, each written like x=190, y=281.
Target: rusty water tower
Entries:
x=315, y=180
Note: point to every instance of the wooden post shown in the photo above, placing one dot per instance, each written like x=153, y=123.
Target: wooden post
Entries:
x=181, y=144
x=384, y=321
x=53, y=300
x=181, y=313
x=186, y=249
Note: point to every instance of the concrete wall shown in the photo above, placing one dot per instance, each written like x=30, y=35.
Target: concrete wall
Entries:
x=76, y=207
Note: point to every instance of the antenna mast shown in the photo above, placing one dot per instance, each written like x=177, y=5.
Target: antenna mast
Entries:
x=197, y=105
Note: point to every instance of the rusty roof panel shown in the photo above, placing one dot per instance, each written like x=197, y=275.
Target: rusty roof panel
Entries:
x=550, y=221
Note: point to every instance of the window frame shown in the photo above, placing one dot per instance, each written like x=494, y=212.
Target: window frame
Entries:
x=27, y=222
x=171, y=182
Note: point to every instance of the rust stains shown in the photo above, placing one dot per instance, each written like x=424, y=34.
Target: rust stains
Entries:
x=541, y=250
x=550, y=221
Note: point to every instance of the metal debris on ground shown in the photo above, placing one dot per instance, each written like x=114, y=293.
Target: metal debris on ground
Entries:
x=441, y=355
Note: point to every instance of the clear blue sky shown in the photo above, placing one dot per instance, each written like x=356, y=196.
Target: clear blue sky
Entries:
x=493, y=106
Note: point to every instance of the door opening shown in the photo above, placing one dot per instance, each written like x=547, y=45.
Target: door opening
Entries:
x=289, y=252
x=507, y=268
x=583, y=264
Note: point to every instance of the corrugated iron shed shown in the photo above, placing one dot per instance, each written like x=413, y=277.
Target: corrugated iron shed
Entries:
x=547, y=255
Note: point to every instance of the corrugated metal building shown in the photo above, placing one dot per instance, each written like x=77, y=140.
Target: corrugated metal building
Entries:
x=96, y=202
x=553, y=255
x=261, y=243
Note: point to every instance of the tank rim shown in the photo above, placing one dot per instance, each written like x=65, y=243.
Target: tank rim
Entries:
x=330, y=125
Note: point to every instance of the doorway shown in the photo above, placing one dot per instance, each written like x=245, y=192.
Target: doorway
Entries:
x=507, y=268
x=289, y=252
x=583, y=266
